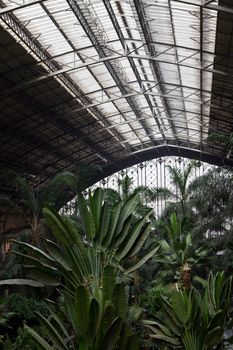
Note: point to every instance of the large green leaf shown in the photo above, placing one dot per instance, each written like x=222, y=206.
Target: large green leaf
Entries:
x=56, y=224
x=132, y=237
x=114, y=222
x=142, y=261
x=109, y=314
x=128, y=208
x=166, y=339
x=169, y=318
x=40, y=254
x=35, y=261
x=39, y=341
x=109, y=278
x=119, y=300
x=59, y=322
x=214, y=337
x=112, y=334
x=160, y=328
x=72, y=231
x=21, y=282
x=52, y=333
x=140, y=240
x=217, y=320
x=44, y=275
x=104, y=223
x=82, y=304
x=58, y=255
x=94, y=318
x=117, y=241
x=179, y=304
x=96, y=206
x=86, y=217
x=69, y=304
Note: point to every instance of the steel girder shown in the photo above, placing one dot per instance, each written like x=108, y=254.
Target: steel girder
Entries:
x=45, y=57
x=99, y=46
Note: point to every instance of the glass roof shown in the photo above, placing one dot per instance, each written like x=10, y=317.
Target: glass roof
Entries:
x=145, y=65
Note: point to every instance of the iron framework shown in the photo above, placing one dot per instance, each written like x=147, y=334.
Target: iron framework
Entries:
x=108, y=82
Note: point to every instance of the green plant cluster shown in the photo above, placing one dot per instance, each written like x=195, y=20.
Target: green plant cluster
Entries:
x=116, y=279
x=151, y=300
x=26, y=308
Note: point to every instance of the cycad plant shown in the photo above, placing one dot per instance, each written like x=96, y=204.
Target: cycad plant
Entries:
x=178, y=256
x=191, y=320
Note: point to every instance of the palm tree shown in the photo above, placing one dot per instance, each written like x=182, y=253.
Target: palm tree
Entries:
x=31, y=199
x=28, y=202
x=180, y=180
x=223, y=139
x=211, y=196
x=144, y=194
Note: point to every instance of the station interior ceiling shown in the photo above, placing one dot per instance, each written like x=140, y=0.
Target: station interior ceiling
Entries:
x=113, y=83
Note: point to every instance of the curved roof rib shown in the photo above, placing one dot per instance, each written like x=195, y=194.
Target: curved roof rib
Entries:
x=103, y=82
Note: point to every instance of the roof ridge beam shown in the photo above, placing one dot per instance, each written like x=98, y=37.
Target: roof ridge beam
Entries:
x=154, y=65
x=99, y=48
x=130, y=59
x=60, y=72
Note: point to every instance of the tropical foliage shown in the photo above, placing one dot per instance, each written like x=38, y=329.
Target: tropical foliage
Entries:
x=178, y=255
x=91, y=324
x=112, y=276
x=191, y=320
x=78, y=263
x=111, y=235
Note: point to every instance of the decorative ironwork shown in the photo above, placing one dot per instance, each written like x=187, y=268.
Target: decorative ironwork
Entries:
x=153, y=174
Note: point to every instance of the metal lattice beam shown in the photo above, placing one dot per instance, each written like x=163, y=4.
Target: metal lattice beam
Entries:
x=131, y=61
x=8, y=9
x=61, y=72
x=23, y=167
x=35, y=65
x=36, y=143
x=215, y=7
x=103, y=53
x=201, y=73
x=145, y=32
x=62, y=125
x=32, y=43
x=157, y=152
x=178, y=67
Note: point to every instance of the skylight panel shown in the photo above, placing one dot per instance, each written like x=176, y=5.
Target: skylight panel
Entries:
x=162, y=78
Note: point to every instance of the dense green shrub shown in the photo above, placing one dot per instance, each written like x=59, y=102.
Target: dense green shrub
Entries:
x=25, y=308
x=151, y=300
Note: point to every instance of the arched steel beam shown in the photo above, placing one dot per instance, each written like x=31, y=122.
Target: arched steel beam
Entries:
x=160, y=151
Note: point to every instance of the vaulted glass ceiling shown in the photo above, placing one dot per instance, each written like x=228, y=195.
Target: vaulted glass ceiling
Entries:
x=142, y=63
x=143, y=69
